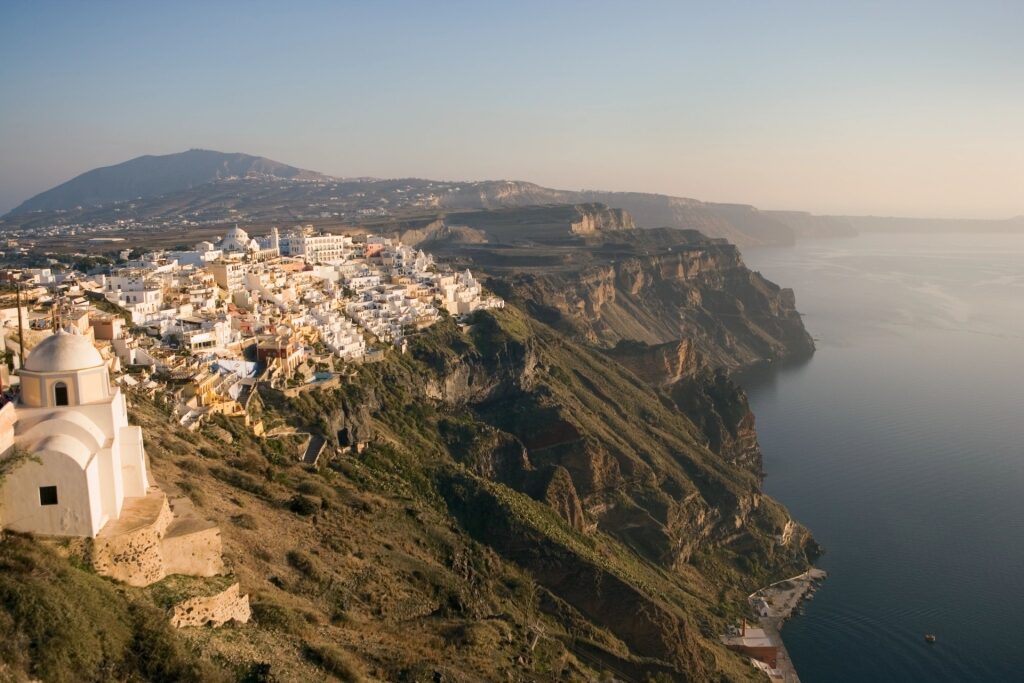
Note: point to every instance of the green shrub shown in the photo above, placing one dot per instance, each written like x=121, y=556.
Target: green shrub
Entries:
x=269, y=614
x=240, y=480
x=244, y=521
x=302, y=505
x=334, y=661
x=313, y=488
x=305, y=564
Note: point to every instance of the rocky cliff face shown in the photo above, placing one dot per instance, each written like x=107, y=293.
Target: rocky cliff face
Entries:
x=519, y=507
x=698, y=298
x=632, y=485
x=739, y=223
x=545, y=224
x=681, y=312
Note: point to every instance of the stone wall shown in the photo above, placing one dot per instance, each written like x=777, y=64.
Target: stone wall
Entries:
x=192, y=549
x=214, y=610
x=134, y=555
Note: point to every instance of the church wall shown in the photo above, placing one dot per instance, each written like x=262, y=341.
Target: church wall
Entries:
x=194, y=554
x=110, y=487
x=109, y=417
x=87, y=386
x=93, y=483
x=8, y=416
x=93, y=385
x=69, y=380
x=71, y=516
x=30, y=390
x=133, y=461
x=134, y=557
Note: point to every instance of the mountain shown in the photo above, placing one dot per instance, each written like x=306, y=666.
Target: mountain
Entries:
x=167, y=193
x=205, y=186
x=150, y=175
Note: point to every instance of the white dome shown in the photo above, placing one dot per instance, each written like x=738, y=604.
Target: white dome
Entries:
x=63, y=352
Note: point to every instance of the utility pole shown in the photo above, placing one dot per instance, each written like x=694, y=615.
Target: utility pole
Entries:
x=21, y=330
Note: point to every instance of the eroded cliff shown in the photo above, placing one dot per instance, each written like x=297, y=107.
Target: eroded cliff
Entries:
x=582, y=475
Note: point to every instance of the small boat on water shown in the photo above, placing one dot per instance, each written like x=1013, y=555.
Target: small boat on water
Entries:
x=929, y=638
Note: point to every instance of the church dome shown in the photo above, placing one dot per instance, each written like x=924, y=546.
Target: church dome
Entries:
x=236, y=234
x=63, y=352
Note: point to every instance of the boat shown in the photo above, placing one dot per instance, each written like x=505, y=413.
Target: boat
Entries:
x=929, y=638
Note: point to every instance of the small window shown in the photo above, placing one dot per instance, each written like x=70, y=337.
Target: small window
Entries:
x=47, y=495
x=60, y=394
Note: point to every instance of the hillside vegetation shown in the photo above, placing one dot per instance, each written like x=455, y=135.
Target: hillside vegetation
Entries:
x=524, y=509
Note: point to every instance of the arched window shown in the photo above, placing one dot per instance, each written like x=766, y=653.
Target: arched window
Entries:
x=60, y=394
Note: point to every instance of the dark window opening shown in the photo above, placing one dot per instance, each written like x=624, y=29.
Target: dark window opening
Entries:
x=47, y=495
x=60, y=394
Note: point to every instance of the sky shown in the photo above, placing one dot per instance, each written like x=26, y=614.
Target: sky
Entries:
x=883, y=108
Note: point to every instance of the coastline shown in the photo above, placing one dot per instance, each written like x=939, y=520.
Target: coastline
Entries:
x=773, y=605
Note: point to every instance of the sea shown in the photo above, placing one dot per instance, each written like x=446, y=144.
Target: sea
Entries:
x=900, y=445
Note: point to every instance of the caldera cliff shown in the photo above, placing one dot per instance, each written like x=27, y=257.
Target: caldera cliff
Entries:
x=567, y=489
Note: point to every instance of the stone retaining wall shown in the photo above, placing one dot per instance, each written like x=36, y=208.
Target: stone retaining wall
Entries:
x=214, y=610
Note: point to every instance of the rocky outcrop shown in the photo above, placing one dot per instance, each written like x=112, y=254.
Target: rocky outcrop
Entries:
x=541, y=224
x=660, y=364
x=440, y=231
x=595, y=218
x=553, y=486
x=719, y=408
x=741, y=224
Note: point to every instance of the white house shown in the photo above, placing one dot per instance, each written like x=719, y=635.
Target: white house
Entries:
x=76, y=424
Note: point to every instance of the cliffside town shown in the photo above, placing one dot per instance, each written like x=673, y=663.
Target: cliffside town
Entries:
x=200, y=323
x=417, y=480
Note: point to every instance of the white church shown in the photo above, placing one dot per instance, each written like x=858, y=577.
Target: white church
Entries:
x=89, y=459
x=88, y=477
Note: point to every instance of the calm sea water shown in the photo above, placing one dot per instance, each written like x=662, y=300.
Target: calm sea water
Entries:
x=901, y=445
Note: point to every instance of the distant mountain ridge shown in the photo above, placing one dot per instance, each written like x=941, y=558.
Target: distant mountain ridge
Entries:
x=741, y=224
x=152, y=175
x=194, y=187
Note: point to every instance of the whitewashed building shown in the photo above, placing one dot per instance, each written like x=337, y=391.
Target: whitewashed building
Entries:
x=75, y=423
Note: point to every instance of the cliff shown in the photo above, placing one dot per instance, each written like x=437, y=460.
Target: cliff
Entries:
x=739, y=223
x=568, y=489
x=681, y=311
x=579, y=474
x=542, y=224
x=692, y=299
x=501, y=502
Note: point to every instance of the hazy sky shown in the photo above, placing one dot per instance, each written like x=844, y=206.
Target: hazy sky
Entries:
x=904, y=108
